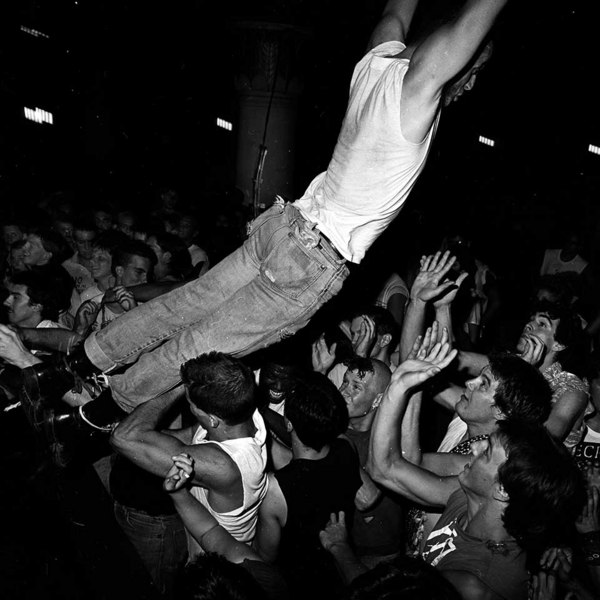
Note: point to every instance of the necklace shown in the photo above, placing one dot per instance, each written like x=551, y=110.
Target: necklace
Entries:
x=497, y=547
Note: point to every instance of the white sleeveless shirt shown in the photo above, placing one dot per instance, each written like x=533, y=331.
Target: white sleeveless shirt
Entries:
x=250, y=455
x=373, y=167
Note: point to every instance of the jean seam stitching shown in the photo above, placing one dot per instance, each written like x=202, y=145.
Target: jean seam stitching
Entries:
x=333, y=279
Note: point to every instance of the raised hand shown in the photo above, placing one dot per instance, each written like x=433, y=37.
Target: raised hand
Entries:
x=364, y=341
x=335, y=531
x=589, y=519
x=449, y=294
x=430, y=282
x=427, y=360
x=86, y=315
x=180, y=473
x=423, y=344
x=124, y=297
x=544, y=586
x=592, y=474
x=559, y=561
x=322, y=356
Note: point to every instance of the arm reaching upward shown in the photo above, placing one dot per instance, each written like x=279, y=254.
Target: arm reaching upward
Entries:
x=439, y=57
x=429, y=285
x=386, y=464
x=442, y=54
x=395, y=22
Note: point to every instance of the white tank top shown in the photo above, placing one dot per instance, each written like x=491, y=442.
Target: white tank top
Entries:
x=250, y=455
x=373, y=167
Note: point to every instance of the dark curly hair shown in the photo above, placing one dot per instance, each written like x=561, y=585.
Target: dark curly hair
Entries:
x=546, y=490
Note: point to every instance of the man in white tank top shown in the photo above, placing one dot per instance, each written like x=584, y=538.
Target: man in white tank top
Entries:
x=226, y=445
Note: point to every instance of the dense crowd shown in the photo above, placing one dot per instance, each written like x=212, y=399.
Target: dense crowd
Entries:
x=337, y=495
x=404, y=443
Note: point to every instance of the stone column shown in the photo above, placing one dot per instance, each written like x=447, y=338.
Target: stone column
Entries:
x=268, y=85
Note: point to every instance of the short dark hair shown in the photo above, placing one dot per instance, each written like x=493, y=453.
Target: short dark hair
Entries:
x=123, y=253
x=522, y=392
x=221, y=385
x=562, y=287
x=84, y=223
x=334, y=335
x=317, y=410
x=53, y=242
x=62, y=217
x=546, y=490
x=43, y=289
x=401, y=578
x=211, y=576
x=110, y=241
x=181, y=260
x=361, y=364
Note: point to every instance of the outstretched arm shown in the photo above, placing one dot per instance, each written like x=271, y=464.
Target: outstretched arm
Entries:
x=13, y=351
x=386, y=463
x=442, y=54
x=395, y=22
x=437, y=58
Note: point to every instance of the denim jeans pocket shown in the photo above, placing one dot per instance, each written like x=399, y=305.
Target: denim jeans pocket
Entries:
x=290, y=268
x=256, y=224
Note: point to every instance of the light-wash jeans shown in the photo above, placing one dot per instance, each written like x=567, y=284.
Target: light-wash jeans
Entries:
x=260, y=294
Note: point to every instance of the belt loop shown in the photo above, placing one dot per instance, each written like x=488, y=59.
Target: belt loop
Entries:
x=280, y=202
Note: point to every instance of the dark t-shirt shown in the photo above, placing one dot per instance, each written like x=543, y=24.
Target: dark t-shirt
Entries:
x=380, y=530
x=501, y=567
x=587, y=452
x=313, y=489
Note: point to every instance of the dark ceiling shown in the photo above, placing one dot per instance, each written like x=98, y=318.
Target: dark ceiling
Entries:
x=135, y=88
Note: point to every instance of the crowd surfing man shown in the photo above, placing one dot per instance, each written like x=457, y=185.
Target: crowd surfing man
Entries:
x=295, y=257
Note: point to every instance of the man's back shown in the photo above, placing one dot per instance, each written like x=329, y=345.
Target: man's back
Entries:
x=373, y=167
x=313, y=489
x=249, y=456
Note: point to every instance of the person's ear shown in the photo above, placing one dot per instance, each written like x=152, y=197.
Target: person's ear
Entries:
x=385, y=340
x=119, y=273
x=36, y=307
x=500, y=493
x=167, y=257
x=213, y=421
x=558, y=347
x=498, y=414
x=288, y=425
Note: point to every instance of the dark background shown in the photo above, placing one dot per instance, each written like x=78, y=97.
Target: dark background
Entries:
x=135, y=89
